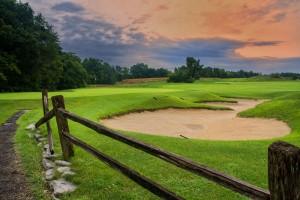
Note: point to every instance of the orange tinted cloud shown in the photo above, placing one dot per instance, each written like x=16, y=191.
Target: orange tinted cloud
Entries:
x=217, y=31
x=255, y=20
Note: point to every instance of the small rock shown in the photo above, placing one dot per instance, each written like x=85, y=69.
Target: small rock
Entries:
x=30, y=127
x=7, y=124
x=37, y=136
x=38, y=131
x=62, y=163
x=54, y=198
x=47, y=164
x=48, y=155
x=40, y=144
x=46, y=151
x=70, y=172
x=50, y=173
x=63, y=169
x=46, y=146
x=61, y=186
x=29, y=135
x=42, y=139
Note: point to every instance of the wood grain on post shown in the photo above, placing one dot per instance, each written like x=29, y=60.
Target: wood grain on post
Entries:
x=46, y=111
x=62, y=125
x=284, y=171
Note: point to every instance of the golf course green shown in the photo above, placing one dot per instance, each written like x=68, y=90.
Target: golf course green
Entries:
x=246, y=160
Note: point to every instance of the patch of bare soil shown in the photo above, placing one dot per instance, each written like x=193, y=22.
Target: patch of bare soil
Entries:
x=13, y=185
x=202, y=124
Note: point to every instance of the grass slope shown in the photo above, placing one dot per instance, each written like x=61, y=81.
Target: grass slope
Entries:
x=246, y=160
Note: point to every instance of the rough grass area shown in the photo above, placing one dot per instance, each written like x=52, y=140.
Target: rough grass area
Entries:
x=246, y=160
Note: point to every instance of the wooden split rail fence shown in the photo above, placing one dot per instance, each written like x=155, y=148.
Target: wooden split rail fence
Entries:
x=283, y=159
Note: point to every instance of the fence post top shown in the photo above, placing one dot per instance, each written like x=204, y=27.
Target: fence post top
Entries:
x=283, y=147
x=57, y=97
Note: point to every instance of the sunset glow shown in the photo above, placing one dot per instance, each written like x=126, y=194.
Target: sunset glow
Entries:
x=232, y=33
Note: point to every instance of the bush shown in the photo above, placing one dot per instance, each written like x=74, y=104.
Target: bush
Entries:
x=275, y=75
x=181, y=75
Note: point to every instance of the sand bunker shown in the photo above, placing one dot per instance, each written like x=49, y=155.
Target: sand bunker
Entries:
x=202, y=124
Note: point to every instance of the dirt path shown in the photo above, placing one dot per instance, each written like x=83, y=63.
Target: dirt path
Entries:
x=13, y=184
x=202, y=124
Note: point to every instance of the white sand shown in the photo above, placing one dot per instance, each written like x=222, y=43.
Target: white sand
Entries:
x=202, y=124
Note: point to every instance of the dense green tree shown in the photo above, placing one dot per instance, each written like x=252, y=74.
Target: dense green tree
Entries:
x=29, y=49
x=162, y=72
x=188, y=73
x=181, y=75
x=99, y=72
x=139, y=70
x=194, y=68
x=73, y=75
x=122, y=73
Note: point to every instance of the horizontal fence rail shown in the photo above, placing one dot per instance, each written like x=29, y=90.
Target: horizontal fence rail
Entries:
x=223, y=179
x=45, y=119
x=133, y=175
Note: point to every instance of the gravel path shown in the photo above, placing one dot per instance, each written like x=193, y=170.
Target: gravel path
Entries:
x=13, y=185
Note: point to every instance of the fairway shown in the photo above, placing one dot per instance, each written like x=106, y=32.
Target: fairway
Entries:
x=246, y=160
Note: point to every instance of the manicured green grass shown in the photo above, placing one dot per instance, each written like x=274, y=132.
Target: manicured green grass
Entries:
x=246, y=160
x=233, y=87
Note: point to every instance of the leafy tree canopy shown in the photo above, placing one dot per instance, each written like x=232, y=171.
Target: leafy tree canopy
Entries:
x=29, y=48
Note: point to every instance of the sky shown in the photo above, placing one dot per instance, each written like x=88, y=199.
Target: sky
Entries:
x=262, y=36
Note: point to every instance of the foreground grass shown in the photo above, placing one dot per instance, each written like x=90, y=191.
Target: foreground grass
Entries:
x=246, y=160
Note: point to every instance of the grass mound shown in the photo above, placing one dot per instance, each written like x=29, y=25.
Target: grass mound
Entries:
x=285, y=108
x=176, y=100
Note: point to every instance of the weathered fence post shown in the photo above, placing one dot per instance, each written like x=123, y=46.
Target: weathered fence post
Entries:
x=62, y=125
x=46, y=110
x=284, y=171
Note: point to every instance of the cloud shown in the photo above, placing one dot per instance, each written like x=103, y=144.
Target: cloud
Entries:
x=163, y=7
x=142, y=19
x=278, y=17
x=125, y=47
x=99, y=39
x=265, y=43
x=68, y=7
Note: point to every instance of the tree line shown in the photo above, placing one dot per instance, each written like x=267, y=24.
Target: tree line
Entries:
x=193, y=70
x=100, y=72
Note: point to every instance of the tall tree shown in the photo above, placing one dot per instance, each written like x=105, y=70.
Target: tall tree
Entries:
x=29, y=49
x=188, y=73
x=194, y=68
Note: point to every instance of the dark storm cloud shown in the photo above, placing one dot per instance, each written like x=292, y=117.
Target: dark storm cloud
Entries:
x=99, y=39
x=68, y=7
x=176, y=51
x=96, y=38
